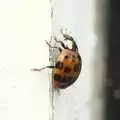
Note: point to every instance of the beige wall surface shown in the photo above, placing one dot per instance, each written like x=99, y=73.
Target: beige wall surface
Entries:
x=24, y=25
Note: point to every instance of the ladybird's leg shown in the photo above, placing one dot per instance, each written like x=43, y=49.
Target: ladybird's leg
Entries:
x=70, y=38
x=52, y=46
x=36, y=69
x=62, y=44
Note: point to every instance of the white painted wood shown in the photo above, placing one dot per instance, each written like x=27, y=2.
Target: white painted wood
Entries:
x=24, y=25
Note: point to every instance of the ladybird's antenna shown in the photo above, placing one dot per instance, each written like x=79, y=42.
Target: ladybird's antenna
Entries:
x=58, y=41
x=70, y=38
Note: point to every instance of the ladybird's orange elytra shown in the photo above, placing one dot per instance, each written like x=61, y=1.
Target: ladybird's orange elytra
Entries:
x=68, y=64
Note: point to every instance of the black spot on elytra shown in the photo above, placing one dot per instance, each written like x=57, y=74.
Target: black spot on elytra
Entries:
x=76, y=68
x=59, y=65
x=66, y=82
x=66, y=57
x=74, y=56
x=67, y=69
x=57, y=77
x=69, y=78
x=66, y=79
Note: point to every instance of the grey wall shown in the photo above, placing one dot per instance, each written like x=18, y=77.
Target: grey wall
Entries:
x=84, y=99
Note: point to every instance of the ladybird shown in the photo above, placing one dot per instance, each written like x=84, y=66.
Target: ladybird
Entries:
x=68, y=64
